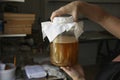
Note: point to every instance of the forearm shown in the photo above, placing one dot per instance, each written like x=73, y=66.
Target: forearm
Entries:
x=100, y=16
x=112, y=24
x=91, y=11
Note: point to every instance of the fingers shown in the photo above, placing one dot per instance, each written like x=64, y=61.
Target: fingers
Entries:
x=54, y=14
x=72, y=72
x=75, y=17
x=69, y=71
x=80, y=70
x=69, y=9
x=65, y=68
x=58, y=12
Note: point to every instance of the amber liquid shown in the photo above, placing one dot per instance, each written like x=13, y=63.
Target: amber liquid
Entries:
x=64, y=52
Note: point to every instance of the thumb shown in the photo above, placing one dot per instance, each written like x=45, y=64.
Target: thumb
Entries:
x=75, y=19
x=75, y=16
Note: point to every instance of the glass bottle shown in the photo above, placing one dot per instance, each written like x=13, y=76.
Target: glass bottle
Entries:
x=64, y=49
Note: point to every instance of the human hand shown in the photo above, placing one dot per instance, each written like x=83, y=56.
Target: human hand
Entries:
x=70, y=9
x=75, y=72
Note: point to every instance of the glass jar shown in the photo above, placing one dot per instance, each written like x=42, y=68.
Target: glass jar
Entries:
x=64, y=49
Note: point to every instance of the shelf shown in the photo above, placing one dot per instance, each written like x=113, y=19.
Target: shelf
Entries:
x=96, y=35
x=12, y=1
x=12, y=35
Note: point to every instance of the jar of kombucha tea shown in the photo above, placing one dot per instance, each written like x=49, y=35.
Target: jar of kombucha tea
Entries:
x=64, y=49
